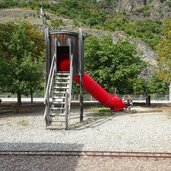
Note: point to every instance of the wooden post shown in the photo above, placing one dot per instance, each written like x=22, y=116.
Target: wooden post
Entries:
x=170, y=92
x=47, y=43
x=46, y=35
x=66, y=110
x=81, y=72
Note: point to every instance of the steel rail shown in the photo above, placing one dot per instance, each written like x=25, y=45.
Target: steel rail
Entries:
x=90, y=154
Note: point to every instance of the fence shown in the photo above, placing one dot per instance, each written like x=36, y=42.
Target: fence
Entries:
x=87, y=97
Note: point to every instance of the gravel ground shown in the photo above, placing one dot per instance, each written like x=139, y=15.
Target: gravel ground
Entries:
x=145, y=131
x=74, y=163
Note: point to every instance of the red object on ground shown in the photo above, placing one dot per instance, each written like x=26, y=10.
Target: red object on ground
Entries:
x=93, y=88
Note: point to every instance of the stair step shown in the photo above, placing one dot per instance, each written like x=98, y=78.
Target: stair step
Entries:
x=63, y=73
x=60, y=87
x=59, y=102
x=59, y=97
x=58, y=82
x=57, y=108
x=52, y=114
x=59, y=119
x=57, y=114
x=59, y=92
x=62, y=78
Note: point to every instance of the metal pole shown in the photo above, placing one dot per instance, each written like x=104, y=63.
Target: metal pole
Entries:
x=47, y=44
x=66, y=110
x=170, y=92
x=81, y=72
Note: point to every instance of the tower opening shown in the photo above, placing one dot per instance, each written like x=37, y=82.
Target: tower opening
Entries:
x=63, y=61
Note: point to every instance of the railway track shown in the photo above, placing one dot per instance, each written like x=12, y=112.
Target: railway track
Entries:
x=88, y=153
x=83, y=160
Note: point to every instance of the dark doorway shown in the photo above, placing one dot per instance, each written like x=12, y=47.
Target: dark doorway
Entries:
x=63, y=61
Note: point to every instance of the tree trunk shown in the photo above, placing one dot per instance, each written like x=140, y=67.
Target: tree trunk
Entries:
x=18, y=103
x=31, y=93
x=148, y=100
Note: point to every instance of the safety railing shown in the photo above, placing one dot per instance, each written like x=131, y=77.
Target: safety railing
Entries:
x=68, y=92
x=70, y=81
x=49, y=88
x=66, y=109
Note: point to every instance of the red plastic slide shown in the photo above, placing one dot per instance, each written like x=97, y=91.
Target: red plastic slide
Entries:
x=93, y=88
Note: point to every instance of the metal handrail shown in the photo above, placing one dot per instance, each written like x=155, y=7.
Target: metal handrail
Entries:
x=66, y=108
x=49, y=85
x=68, y=92
x=70, y=82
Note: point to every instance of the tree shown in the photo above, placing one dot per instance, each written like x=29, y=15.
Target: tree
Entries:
x=114, y=66
x=149, y=31
x=164, y=52
x=21, y=53
x=156, y=85
x=140, y=86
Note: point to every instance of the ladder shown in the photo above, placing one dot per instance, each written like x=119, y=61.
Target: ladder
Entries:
x=58, y=95
x=60, y=105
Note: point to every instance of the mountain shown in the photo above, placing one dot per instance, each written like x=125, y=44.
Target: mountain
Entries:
x=139, y=9
x=119, y=19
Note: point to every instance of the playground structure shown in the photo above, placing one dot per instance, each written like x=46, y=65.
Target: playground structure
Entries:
x=64, y=63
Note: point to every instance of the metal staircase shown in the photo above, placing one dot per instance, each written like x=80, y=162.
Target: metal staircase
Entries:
x=58, y=96
x=60, y=105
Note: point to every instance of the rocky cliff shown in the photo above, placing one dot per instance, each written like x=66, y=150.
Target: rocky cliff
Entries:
x=144, y=51
x=152, y=9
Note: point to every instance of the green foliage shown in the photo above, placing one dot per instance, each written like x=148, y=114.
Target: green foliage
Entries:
x=90, y=13
x=109, y=58
x=140, y=86
x=164, y=52
x=169, y=3
x=146, y=30
x=116, y=23
x=22, y=75
x=56, y=23
x=157, y=86
x=36, y=4
x=112, y=65
x=21, y=59
x=8, y=3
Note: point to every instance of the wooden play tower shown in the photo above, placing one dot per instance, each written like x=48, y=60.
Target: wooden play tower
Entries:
x=64, y=63
x=64, y=60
